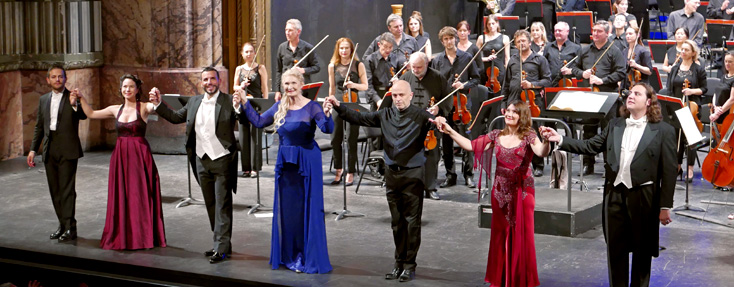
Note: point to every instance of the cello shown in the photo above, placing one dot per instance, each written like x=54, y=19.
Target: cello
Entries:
x=718, y=166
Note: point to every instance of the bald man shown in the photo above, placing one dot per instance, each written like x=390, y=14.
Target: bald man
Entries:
x=404, y=128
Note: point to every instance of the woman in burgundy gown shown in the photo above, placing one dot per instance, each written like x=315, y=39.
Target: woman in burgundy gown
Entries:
x=134, y=212
x=511, y=260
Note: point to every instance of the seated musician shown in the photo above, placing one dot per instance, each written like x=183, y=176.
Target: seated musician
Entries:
x=451, y=63
x=536, y=75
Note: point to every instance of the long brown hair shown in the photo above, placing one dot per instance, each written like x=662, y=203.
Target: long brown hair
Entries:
x=418, y=17
x=335, y=59
x=524, y=122
x=654, y=115
x=492, y=17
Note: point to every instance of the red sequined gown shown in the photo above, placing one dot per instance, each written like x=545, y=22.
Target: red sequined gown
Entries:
x=511, y=260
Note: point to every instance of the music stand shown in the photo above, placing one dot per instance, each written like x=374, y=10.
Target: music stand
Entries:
x=311, y=90
x=260, y=105
x=658, y=49
x=176, y=102
x=559, y=110
x=668, y=106
x=580, y=23
x=509, y=24
x=602, y=9
x=528, y=10
x=346, y=212
x=488, y=110
x=551, y=92
x=719, y=31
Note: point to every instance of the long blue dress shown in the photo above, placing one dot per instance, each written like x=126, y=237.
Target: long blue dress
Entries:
x=299, y=232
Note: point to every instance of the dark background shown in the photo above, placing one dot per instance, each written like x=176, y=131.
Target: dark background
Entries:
x=359, y=20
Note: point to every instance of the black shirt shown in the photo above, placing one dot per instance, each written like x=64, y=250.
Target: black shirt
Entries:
x=610, y=68
x=443, y=65
x=696, y=76
x=641, y=57
x=556, y=56
x=536, y=70
x=724, y=92
x=433, y=85
x=407, y=44
x=473, y=50
x=619, y=41
x=379, y=75
x=286, y=59
x=403, y=132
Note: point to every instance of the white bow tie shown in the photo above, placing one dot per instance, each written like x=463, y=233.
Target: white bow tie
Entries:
x=635, y=123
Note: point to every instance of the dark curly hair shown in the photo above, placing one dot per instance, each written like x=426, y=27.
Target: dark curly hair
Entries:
x=653, y=114
x=138, y=84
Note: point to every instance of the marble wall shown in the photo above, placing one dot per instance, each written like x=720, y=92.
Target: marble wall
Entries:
x=11, y=139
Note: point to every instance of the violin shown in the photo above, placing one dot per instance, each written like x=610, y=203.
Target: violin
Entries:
x=692, y=106
x=431, y=141
x=634, y=76
x=718, y=166
x=594, y=88
x=492, y=73
x=529, y=97
x=349, y=95
x=565, y=82
x=461, y=113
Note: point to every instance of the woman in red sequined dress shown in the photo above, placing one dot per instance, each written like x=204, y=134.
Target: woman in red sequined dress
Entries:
x=511, y=260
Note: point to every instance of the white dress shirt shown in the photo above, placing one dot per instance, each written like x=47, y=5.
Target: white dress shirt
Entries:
x=205, y=127
x=631, y=138
x=54, y=112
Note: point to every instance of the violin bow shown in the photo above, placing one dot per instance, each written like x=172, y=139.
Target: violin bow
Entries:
x=446, y=97
x=255, y=58
x=406, y=63
x=354, y=53
x=471, y=61
x=309, y=52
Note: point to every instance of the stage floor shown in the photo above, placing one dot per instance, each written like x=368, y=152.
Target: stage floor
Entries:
x=453, y=250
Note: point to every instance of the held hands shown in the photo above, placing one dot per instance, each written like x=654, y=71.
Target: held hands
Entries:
x=154, y=96
x=549, y=134
x=442, y=125
x=74, y=97
x=239, y=99
x=329, y=104
x=665, y=217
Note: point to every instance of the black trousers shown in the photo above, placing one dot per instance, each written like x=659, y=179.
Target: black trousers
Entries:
x=431, y=169
x=405, y=199
x=217, y=198
x=61, y=177
x=251, y=154
x=336, y=143
x=447, y=147
x=628, y=214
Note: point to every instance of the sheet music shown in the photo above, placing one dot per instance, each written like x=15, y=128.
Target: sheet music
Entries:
x=578, y=102
x=693, y=136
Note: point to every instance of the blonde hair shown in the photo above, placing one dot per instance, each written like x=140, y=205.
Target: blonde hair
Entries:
x=336, y=58
x=542, y=30
x=694, y=46
x=285, y=104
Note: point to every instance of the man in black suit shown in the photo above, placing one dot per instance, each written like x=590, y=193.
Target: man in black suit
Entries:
x=57, y=126
x=212, y=150
x=639, y=184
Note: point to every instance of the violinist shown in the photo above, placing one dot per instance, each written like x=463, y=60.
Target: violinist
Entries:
x=725, y=99
x=559, y=51
x=450, y=63
x=415, y=30
x=467, y=46
x=427, y=83
x=610, y=66
x=638, y=58
x=618, y=31
x=253, y=78
x=380, y=66
x=672, y=56
x=404, y=43
x=346, y=77
x=688, y=70
x=496, y=40
x=539, y=39
x=292, y=51
x=619, y=8
x=537, y=75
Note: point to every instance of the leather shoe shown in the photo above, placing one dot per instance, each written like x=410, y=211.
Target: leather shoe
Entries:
x=218, y=257
x=407, y=275
x=450, y=181
x=538, y=172
x=68, y=236
x=470, y=183
x=588, y=169
x=57, y=233
x=209, y=253
x=394, y=274
x=434, y=195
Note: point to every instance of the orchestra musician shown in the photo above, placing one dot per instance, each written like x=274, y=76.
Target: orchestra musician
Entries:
x=619, y=7
x=619, y=27
x=638, y=57
x=688, y=69
x=347, y=75
x=253, y=78
x=467, y=46
x=609, y=64
x=292, y=51
x=537, y=75
x=672, y=56
x=539, y=39
x=404, y=43
x=415, y=30
x=689, y=18
x=560, y=50
x=496, y=41
x=450, y=63
x=427, y=83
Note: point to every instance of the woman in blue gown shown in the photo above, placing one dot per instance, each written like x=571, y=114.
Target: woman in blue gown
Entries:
x=299, y=232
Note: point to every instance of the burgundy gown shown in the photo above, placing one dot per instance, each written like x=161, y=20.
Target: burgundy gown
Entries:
x=134, y=212
x=511, y=260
